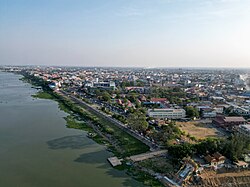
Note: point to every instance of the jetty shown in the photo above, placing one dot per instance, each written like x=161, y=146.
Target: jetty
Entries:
x=114, y=161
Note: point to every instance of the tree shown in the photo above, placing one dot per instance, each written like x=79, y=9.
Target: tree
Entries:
x=181, y=150
x=235, y=146
x=192, y=112
x=209, y=145
x=105, y=96
x=137, y=121
x=137, y=104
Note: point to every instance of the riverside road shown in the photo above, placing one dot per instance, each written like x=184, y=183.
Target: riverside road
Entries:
x=153, y=146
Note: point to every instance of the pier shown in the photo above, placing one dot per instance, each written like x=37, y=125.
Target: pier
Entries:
x=114, y=161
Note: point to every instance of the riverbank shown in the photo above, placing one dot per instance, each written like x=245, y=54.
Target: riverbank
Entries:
x=106, y=133
x=38, y=150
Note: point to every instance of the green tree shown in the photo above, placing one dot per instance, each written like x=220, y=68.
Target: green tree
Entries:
x=181, y=150
x=137, y=121
x=105, y=96
x=235, y=146
x=191, y=112
x=208, y=146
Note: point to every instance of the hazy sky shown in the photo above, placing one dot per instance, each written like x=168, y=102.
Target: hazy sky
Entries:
x=148, y=33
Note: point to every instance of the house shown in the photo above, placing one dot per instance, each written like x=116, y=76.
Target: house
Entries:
x=241, y=164
x=135, y=89
x=218, y=99
x=211, y=160
x=142, y=98
x=215, y=160
x=228, y=122
x=159, y=100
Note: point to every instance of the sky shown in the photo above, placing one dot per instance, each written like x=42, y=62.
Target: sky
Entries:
x=125, y=33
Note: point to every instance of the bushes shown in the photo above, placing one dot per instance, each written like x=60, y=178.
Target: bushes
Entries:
x=120, y=118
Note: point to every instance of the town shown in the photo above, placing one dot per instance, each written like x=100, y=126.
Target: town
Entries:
x=194, y=123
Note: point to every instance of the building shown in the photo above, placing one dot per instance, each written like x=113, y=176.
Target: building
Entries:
x=167, y=113
x=136, y=89
x=229, y=122
x=159, y=100
x=208, y=113
x=103, y=85
x=188, y=168
x=242, y=111
x=219, y=109
x=241, y=164
x=215, y=160
x=244, y=130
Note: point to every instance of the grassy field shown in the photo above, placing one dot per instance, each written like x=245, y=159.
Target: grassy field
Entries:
x=43, y=95
x=198, y=130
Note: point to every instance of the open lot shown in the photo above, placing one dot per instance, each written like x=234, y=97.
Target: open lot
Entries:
x=199, y=130
x=233, y=179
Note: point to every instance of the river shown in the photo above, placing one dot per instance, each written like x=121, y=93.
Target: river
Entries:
x=37, y=150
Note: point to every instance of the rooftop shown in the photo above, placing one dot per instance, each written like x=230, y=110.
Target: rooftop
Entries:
x=234, y=119
x=166, y=110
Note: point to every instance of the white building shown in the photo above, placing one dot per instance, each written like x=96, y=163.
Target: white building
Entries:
x=104, y=85
x=167, y=113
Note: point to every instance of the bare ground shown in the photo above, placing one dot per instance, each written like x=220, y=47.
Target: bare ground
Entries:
x=199, y=130
x=234, y=179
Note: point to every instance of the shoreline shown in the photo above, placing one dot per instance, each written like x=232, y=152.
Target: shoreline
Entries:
x=82, y=119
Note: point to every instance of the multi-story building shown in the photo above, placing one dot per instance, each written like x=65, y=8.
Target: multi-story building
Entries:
x=167, y=113
x=103, y=85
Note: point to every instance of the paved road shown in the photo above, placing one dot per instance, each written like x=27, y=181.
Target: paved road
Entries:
x=153, y=146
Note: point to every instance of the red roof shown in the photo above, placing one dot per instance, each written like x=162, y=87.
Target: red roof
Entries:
x=158, y=100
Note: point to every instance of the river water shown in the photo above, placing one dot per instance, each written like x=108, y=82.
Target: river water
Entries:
x=37, y=150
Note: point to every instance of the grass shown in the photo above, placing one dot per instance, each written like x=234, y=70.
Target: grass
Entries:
x=128, y=145
x=144, y=177
x=159, y=165
x=43, y=95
